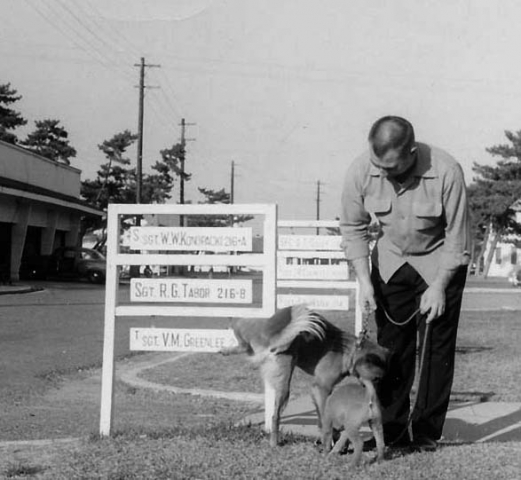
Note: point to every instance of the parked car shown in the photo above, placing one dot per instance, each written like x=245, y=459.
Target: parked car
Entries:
x=72, y=262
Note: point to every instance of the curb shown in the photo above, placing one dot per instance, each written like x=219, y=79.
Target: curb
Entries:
x=19, y=290
x=40, y=443
x=130, y=376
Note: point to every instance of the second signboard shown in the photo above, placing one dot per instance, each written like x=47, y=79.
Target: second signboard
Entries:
x=190, y=290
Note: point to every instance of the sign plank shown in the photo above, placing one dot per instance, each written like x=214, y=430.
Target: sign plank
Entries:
x=315, y=272
x=190, y=290
x=181, y=339
x=317, y=302
x=309, y=242
x=214, y=239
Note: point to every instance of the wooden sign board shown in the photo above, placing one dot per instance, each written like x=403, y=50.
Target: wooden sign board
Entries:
x=312, y=272
x=316, y=302
x=214, y=239
x=181, y=340
x=309, y=242
x=197, y=290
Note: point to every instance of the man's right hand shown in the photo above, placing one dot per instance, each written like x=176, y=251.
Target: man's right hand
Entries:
x=366, y=299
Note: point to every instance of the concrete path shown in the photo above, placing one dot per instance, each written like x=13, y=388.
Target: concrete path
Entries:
x=466, y=422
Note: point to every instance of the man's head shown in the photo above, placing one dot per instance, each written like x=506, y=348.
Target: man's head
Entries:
x=392, y=144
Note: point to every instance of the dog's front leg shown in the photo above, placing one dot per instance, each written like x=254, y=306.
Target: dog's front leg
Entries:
x=378, y=433
x=327, y=435
x=358, y=444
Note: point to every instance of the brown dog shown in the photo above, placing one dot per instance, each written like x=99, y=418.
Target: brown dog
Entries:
x=296, y=337
x=351, y=404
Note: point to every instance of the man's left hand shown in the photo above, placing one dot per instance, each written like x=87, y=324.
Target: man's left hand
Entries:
x=433, y=303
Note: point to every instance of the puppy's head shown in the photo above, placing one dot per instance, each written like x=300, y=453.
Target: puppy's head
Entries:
x=370, y=360
x=370, y=367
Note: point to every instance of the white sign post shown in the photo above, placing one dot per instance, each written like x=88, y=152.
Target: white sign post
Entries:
x=180, y=296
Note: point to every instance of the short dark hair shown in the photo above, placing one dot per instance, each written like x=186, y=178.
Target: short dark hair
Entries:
x=391, y=133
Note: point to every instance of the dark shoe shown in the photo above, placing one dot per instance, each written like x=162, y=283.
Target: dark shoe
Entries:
x=393, y=443
x=423, y=443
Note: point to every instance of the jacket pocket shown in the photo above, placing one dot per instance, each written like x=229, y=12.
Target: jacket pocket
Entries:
x=426, y=215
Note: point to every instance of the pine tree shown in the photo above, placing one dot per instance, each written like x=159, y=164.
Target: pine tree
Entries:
x=50, y=140
x=494, y=195
x=9, y=118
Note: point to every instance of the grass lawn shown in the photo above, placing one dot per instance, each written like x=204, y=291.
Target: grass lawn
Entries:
x=223, y=452
x=198, y=439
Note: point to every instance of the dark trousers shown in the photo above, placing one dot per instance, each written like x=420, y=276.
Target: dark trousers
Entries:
x=399, y=298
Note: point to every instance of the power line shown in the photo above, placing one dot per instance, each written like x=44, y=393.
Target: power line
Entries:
x=84, y=36
x=50, y=14
x=83, y=24
x=118, y=38
x=113, y=33
x=57, y=26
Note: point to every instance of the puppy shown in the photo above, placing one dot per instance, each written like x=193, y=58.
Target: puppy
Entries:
x=296, y=337
x=351, y=404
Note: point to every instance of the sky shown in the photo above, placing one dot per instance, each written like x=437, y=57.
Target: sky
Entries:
x=286, y=89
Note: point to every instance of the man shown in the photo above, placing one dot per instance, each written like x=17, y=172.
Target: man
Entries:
x=417, y=194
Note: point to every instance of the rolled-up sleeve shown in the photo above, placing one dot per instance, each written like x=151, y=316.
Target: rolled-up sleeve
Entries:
x=455, y=251
x=354, y=219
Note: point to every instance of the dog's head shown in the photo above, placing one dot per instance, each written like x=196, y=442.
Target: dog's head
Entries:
x=370, y=359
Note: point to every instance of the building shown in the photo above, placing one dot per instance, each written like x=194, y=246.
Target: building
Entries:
x=40, y=207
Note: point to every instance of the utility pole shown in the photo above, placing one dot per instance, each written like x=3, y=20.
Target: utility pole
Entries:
x=134, y=269
x=232, y=183
x=318, y=205
x=141, y=114
x=232, y=191
x=182, y=160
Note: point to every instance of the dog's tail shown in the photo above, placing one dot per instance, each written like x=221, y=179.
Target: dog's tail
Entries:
x=302, y=321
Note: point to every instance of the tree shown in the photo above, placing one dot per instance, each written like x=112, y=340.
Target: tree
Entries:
x=114, y=184
x=9, y=119
x=494, y=195
x=173, y=157
x=50, y=140
x=116, y=180
x=213, y=197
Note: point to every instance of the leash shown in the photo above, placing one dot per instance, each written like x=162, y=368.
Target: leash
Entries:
x=415, y=389
x=399, y=324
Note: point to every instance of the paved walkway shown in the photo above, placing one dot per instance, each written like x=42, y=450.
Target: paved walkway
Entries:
x=466, y=422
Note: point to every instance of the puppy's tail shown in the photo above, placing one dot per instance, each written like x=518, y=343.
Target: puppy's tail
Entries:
x=302, y=321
